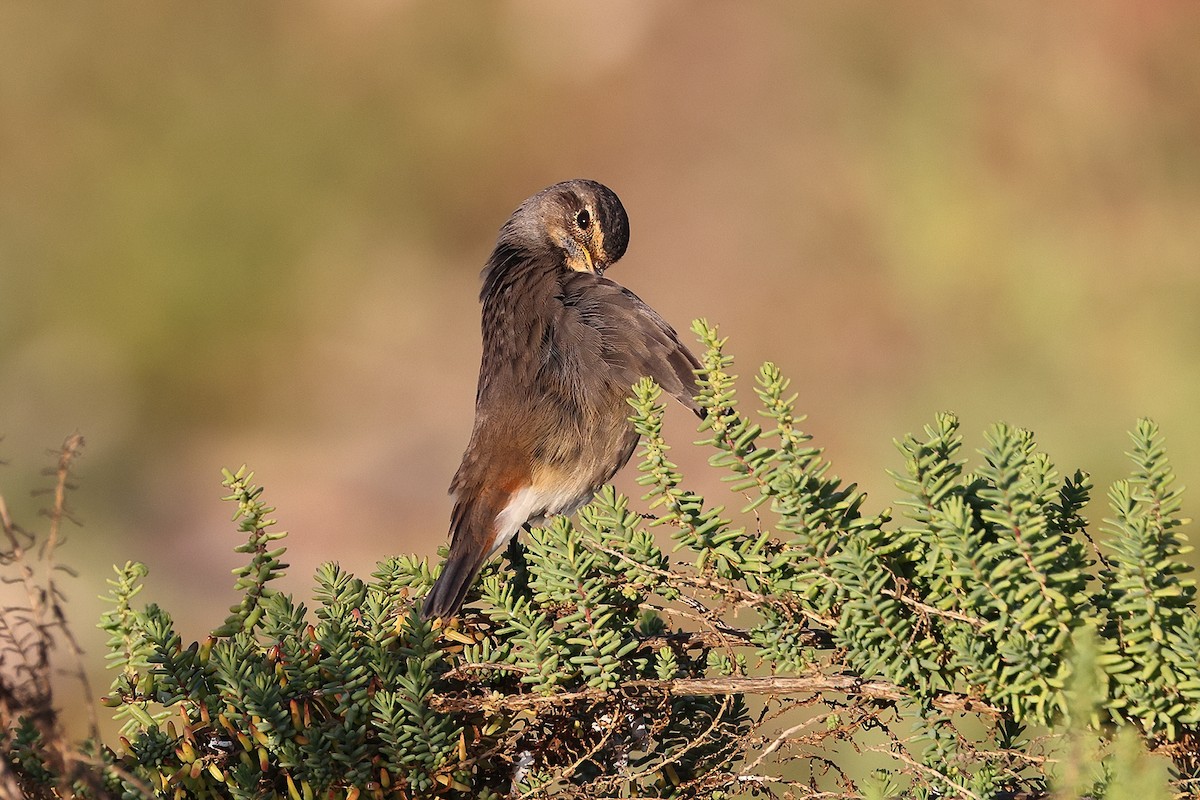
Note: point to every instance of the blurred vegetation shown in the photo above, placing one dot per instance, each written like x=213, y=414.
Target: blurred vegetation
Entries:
x=252, y=234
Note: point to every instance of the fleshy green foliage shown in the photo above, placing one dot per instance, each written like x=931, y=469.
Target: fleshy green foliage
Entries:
x=264, y=564
x=339, y=700
x=987, y=642
x=276, y=702
x=1152, y=625
x=991, y=566
x=587, y=665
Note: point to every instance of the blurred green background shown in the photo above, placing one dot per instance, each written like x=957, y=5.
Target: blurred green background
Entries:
x=253, y=234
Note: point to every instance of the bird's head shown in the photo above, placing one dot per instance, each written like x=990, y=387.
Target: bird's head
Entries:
x=581, y=221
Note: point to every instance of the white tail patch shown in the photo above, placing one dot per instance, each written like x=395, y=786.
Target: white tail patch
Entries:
x=534, y=504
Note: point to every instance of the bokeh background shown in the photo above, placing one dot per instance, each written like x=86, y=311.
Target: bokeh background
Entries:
x=252, y=234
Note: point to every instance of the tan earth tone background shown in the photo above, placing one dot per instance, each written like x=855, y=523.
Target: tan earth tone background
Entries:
x=253, y=234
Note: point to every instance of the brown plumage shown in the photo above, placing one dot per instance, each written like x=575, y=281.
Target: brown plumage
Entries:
x=562, y=347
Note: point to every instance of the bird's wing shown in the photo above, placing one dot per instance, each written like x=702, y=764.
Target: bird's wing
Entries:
x=629, y=336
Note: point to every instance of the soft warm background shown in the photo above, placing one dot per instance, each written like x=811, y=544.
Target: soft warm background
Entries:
x=253, y=234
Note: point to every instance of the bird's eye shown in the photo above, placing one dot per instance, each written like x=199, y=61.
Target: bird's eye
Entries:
x=583, y=219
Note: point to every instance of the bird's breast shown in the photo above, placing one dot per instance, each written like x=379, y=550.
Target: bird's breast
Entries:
x=547, y=389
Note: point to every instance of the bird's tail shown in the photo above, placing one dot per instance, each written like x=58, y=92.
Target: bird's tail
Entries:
x=472, y=529
x=450, y=590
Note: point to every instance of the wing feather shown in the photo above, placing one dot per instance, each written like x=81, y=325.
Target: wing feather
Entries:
x=631, y=338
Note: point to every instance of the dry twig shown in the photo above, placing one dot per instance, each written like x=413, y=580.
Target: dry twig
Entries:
x=764, y=686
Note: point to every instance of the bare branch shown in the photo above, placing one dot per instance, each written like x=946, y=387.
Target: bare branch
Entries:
x=765, y=686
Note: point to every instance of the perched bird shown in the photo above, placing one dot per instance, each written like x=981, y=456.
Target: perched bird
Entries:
x=562, y=347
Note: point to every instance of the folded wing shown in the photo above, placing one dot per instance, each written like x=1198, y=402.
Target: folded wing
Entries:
x=629, y=337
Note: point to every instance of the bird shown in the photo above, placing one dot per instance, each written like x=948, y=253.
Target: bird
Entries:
x=563, y=345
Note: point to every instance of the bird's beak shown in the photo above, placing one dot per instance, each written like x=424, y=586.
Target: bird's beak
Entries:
x=580, y=259
x=595, y=265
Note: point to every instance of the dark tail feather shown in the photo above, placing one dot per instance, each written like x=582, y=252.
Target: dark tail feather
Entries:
x=471, y=535
x=446, y=597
